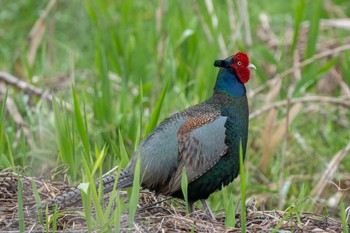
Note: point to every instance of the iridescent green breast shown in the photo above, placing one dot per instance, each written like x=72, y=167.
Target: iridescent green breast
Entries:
x=227, y=167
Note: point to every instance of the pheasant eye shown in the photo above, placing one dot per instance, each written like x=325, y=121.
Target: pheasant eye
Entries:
x=239, y=63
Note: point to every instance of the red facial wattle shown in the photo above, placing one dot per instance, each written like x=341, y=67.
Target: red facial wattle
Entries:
x=243, y=74
x=240, y=65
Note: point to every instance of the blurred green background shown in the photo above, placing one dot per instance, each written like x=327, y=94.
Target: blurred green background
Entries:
x=118, y=57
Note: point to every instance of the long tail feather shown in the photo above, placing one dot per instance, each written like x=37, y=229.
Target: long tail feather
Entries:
x=73, y=196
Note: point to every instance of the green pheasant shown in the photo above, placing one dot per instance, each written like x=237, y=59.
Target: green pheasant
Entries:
x=203, y=139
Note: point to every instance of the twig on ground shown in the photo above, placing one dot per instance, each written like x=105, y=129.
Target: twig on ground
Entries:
x=322, y=99
x=246, y=23
x=330, y=171
x=165, y=215
x=205, y=26
x=37, y=32
x=22, y=126
x=214, y=22
x=28, y=88
x=306, y=62
x=341, y=82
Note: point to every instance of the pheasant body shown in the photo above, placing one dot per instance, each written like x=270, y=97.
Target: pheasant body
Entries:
x=227, y=167
x=204, y=140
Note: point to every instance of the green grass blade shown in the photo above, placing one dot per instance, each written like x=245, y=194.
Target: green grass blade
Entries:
x=298, y=15
x=192, y=228
x=230, y=217
x=135, y=193
x=315, y=12
x=47, y=222
x=20, y=205
x=297, y=215
x=54, y=218
x=184, y=188
x=282, y=220
x=243, y=189
x=343, y=218
x=90, y=190
x=100, y=217
x=156, y=112
x=119, y=208
x=106, y=98
x=123, y=155
x=2, y=124
x=139, y=129
x=64, y=137
x=84, y=190
x=113, y=196
x=37, y=202
x=99, y=161
x=83, y=131
x=314, y=75
x=9, y=152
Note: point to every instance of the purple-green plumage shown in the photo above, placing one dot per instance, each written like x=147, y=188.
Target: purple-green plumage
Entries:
x=203, y=139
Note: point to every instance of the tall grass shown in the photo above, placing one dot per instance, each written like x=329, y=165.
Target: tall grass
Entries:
x=125, y=65
x=230, y=213
x=344, y=218
x=2, y=133
x=184, y=188
x=135, y=192
x=65, y=137
x=20, y=205
x=243, y=189
x=37, y=203
x=156, y=112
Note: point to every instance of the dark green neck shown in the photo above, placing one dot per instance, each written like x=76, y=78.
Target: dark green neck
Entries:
x=227, y=82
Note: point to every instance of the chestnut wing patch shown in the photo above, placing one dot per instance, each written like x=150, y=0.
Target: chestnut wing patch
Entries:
x=199, y=148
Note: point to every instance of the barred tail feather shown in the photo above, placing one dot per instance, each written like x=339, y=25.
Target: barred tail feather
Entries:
x=65, y=199
x=73, y=196
x=125, y=180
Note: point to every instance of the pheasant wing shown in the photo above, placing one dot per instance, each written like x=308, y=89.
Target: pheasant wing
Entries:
x=200, y=147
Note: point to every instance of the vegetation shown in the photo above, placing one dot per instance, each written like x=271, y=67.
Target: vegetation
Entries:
x=83, y=82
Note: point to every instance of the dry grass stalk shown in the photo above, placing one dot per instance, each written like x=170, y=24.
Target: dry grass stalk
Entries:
x=270, y=121
x=37, y=32
x=18, y=119
x=265, y=32
x=154, y=214
x=28, y=88
x=318, y=56
x=284, y=153
x=306, y=99
x=277, y=134
x=328, y=174
x=345, y=88
x=275, y=88
x=327, y=53
x=215, y=22
x=247, y=37
x=34, y=38
x=336, y=10
x=343, y=24
x=282, y=127
x=205, y=26
x=232, y=19
x=265, y=136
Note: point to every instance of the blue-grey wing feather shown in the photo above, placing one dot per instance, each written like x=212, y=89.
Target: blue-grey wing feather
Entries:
x=204, y=146
x=158, y=154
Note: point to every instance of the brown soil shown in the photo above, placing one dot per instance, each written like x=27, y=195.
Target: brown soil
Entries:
x=154, y=214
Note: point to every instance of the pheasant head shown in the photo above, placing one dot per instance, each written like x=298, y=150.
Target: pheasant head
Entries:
x=233, y=74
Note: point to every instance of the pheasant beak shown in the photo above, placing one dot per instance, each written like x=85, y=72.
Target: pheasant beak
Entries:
x=251, y=66
x=222, y=63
